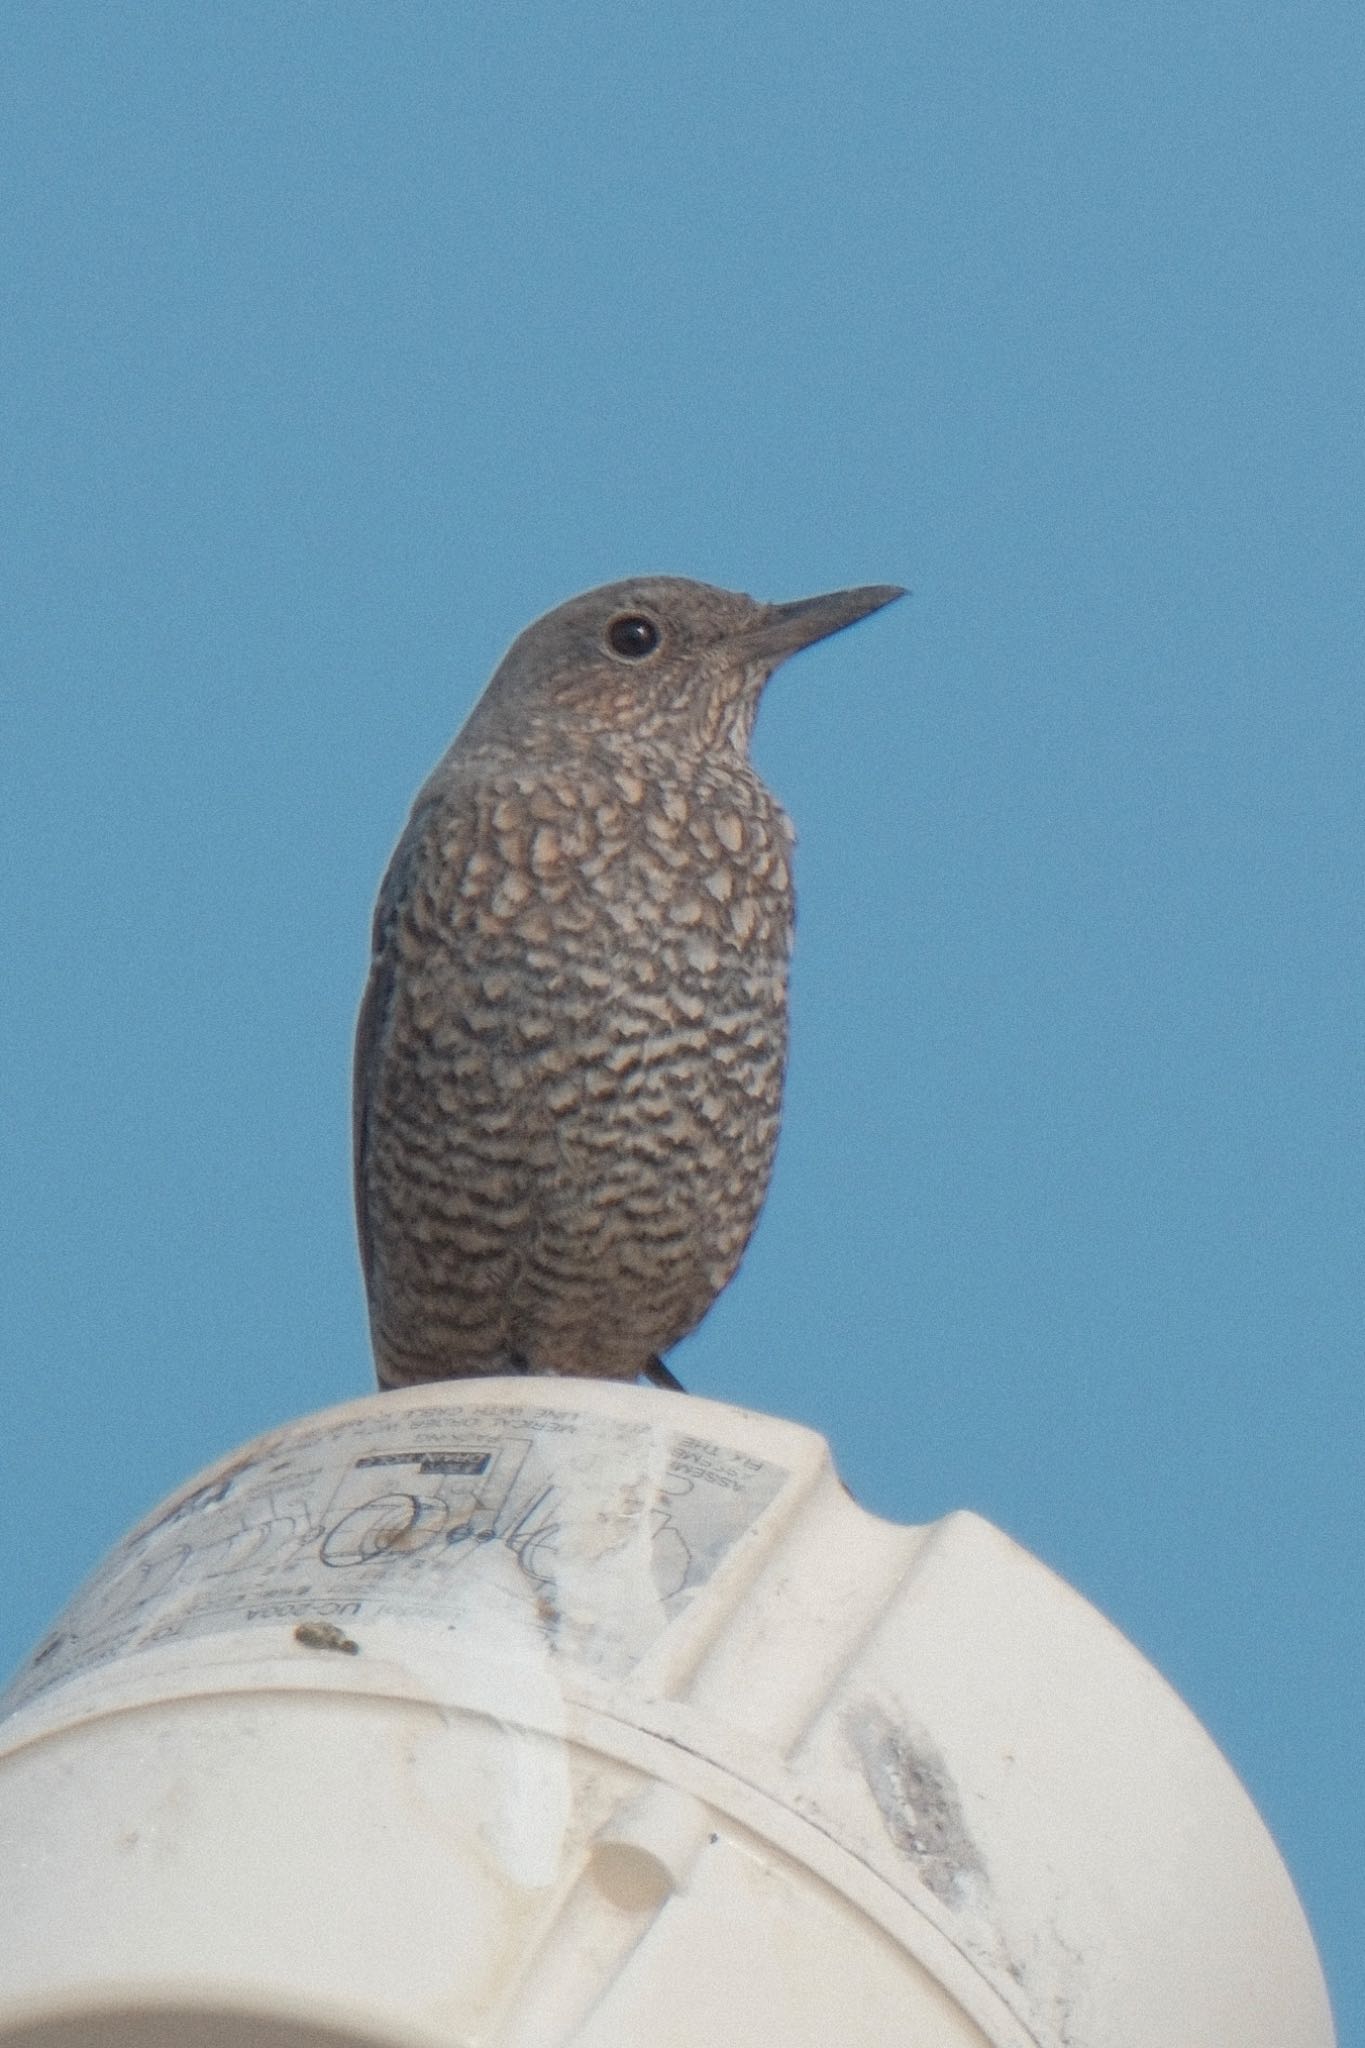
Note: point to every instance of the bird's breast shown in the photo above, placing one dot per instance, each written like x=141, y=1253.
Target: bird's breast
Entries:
x=566, y=868
x=569, y=941
x=580, y=1062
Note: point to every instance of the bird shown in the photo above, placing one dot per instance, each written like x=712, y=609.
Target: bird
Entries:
x=571, y=1046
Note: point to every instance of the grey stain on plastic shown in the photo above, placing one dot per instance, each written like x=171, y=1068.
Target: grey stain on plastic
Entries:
x=322, y=1635
x=917, y=1800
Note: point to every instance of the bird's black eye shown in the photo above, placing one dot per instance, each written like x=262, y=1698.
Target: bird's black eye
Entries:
x=632, y=636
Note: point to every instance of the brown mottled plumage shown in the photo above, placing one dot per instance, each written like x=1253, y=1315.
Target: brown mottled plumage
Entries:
x=570, y=1052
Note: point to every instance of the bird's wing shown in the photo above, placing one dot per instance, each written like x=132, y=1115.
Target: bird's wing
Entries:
x=369, y=1031
x=413, y=850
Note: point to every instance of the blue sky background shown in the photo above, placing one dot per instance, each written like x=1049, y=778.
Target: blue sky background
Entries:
x=341, y=341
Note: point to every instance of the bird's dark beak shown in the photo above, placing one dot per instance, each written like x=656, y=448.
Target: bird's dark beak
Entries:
x=786, y=628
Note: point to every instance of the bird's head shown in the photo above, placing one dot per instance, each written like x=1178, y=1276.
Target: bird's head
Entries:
x=655, y=657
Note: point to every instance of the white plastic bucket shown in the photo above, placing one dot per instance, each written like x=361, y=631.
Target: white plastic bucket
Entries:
x=527, y=1712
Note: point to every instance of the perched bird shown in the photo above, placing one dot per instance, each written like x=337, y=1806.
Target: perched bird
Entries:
x=570, y=1051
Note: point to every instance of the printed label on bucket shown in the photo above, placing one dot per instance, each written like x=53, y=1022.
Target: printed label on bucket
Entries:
x=424, y=1514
